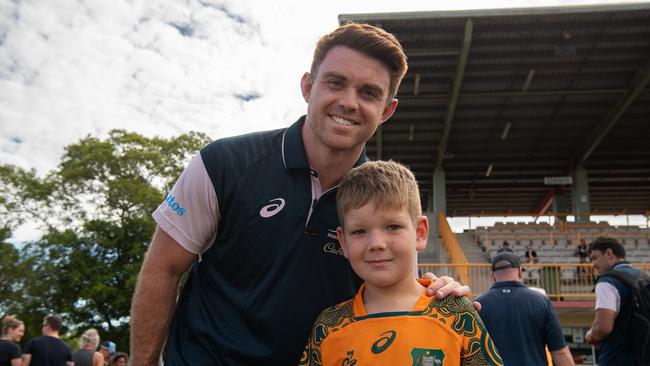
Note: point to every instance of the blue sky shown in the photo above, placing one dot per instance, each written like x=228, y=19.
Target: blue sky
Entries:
x=69, y=68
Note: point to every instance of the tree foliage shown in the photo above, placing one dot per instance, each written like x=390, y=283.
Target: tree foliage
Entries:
x=95, y=211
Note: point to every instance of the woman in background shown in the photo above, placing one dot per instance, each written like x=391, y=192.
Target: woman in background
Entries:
x=87, y=354
x=12, y=331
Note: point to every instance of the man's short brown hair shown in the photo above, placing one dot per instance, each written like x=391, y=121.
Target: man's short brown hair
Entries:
x=54, y=321
x=387, y=184
x=603, y=243
x=369, y=40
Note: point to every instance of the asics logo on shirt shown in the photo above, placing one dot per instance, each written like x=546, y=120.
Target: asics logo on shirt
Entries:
x=276, y=205
x=384, y=341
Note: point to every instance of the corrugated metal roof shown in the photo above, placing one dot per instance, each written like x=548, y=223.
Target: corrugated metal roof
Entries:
x=555, y=74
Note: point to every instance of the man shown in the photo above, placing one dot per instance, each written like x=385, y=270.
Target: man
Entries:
x=613, y=303
x=505, y=247
x=255, y=216
x=521, y=322
x=48, y=349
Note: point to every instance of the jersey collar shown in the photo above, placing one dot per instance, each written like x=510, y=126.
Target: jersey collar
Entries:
x=293, y=148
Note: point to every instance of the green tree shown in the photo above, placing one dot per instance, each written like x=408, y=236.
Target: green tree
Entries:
x=95, y=210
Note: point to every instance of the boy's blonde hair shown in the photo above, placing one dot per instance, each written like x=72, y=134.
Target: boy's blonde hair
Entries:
x=388, y=184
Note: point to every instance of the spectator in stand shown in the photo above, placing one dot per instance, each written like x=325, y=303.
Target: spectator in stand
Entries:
x=505, y=247
x=531, y=254
x=582, y=252
x=87, y=354
x=48, y=349
x=120, y=359
x=12, y=330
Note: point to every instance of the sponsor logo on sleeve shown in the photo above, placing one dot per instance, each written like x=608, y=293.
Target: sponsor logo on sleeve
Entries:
x=175, y=206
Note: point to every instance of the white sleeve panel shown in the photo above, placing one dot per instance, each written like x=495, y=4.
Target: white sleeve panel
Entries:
x=607, y=297
x=190, y=213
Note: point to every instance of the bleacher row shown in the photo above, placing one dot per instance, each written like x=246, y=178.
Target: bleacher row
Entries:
x=557, y=243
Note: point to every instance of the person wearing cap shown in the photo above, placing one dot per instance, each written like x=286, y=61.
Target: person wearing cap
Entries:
x=107, y=349
x=521, y=322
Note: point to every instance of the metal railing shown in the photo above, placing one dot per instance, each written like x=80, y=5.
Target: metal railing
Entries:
x=561, y=282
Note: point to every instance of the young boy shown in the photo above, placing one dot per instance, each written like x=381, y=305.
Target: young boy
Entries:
x=391, y=321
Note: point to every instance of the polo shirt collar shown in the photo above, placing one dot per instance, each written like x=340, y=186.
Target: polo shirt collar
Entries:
x=293, y=148
x=508, y=284
x=621, y=264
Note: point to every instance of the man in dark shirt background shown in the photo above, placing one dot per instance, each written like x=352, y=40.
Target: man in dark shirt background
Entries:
x=521, y=322
x=48, y=349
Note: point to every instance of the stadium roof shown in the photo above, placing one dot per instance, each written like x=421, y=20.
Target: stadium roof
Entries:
x=503, y=98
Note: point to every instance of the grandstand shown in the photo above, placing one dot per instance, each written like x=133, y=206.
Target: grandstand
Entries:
x=527, y=112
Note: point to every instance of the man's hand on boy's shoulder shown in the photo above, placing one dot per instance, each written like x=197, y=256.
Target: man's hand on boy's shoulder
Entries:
x=446, y=286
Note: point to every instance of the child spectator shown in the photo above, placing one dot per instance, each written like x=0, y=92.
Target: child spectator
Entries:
x=391, y=321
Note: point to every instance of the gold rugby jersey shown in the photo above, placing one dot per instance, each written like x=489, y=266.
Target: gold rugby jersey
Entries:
x=434, y=333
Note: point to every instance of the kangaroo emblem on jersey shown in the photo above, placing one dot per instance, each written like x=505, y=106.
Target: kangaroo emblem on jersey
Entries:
x=276, y=205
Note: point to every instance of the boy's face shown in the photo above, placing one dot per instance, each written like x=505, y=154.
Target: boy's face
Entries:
x=381, y=243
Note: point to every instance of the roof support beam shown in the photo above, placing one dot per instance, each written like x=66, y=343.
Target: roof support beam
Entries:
x=458, y=81
x=545, y=203
x=517, y=93
x=609, y=121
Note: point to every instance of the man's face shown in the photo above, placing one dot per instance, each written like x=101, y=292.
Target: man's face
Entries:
x=347, y=100
x=600, y=261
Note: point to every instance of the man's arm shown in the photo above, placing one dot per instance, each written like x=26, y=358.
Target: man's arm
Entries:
x=27, y=358
x=562, y=357
x=602, y=326
x=154, y=299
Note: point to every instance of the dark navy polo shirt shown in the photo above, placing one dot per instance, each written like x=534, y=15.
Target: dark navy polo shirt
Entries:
x=614, y=350
x=275, y=264
x=521, y=322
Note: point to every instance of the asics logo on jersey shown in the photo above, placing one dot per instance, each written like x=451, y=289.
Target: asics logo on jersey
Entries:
x=175, y=206
x=383, y=342
x=276, y=205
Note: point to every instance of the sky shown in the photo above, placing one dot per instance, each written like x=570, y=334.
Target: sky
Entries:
x=72, y=68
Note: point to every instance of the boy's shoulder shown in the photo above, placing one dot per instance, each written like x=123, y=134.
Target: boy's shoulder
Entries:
x=455, y=313
x=335, y=317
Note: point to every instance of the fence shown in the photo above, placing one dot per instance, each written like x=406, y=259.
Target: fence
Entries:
x=561, y=282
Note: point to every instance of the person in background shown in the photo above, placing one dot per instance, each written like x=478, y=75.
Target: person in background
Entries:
x=12, y=331
x=521, y=321
x=531, y=254
x=582, y=251
x=87, y=354
x=120, y=359
x=48, y=349
x=107, y=349
x=505, y=247
x=613, y=304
